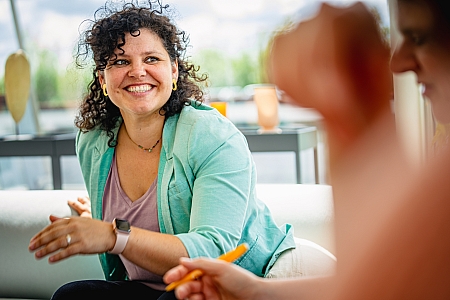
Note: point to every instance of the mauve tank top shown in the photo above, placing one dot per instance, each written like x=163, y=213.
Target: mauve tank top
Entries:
x=142, y=213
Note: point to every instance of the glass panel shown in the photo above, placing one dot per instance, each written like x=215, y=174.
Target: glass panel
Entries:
x=26, y=173
x=233, y=63
x=275, y=167
x=72, y=179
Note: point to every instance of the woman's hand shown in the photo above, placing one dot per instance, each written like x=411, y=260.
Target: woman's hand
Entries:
x=65, y=237
x=82, y=206
x=221, y=280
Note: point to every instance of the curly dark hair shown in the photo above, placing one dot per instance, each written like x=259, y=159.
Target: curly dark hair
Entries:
x=107, y=33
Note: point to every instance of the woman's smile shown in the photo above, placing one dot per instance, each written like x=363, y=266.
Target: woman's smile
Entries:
x=139, y=89
x=139, y=77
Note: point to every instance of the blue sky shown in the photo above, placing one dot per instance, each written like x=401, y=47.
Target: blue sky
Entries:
x=231, y=26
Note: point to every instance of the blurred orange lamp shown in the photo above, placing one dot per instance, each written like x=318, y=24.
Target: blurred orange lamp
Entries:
x=266, y=100
x=220, y=106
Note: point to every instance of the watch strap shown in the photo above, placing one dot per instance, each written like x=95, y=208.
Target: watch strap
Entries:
x=121, y=241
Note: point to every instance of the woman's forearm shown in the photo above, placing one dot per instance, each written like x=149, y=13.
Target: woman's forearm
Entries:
x=154, y=251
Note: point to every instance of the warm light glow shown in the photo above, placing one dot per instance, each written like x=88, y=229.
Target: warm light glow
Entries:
x=266, y=101
x=220, y=106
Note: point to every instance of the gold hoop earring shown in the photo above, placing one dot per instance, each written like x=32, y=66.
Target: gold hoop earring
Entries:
x=174, y=87
x=104, y=90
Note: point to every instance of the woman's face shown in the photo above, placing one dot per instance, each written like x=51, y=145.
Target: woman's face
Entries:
x=139, y=80
x=425, y=50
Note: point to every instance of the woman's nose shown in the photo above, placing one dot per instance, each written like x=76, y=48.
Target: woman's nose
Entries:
x=137, y=70
x=403, y=59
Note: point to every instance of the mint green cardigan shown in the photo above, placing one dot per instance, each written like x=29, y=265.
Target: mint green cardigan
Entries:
x=206, y=190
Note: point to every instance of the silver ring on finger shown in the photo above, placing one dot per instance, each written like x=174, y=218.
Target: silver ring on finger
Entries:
x=68, y=240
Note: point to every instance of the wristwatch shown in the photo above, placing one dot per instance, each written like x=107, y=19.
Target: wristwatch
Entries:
x=122, y=231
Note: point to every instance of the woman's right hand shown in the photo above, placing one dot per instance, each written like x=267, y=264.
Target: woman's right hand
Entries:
x=221, y=280
x=66, y=237
x=82, y=206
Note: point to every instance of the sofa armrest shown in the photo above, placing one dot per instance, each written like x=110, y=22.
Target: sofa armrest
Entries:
x=22, y=215
x=308, y=207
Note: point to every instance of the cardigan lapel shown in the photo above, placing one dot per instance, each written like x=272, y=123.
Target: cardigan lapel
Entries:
x=103, y=155
x=165, y=171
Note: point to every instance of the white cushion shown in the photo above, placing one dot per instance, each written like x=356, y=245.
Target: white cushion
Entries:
x=307, y=259
x=22, y=215
x=308, y=207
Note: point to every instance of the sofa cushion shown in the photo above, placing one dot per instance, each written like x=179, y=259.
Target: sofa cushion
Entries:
x=22, y=215
x=307, y=259
x=308, y=207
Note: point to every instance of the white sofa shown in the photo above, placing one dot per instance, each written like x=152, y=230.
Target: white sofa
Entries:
x=23, y=213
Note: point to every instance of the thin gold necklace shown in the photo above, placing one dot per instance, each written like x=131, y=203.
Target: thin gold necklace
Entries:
x=149, y=150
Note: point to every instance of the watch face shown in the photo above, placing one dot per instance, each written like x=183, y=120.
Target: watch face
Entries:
x=122, y=225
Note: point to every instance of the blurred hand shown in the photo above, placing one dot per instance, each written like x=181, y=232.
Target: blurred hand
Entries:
x=82, y=206
x=65, y=237
x=338, y=64
x=221, y=280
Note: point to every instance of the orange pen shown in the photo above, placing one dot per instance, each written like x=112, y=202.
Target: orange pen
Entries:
x=195, y=274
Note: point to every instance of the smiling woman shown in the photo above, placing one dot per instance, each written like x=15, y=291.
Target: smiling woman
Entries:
x=135, y=94
x=167, y=176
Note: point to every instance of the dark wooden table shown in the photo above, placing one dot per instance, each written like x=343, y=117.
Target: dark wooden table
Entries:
x=55, y=146
x=295, y=139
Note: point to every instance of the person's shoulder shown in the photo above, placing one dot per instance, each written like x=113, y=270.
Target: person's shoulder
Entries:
x=200, y=114
x=201, y=130
x=89, y=136
x=94, y=138
x=204, y=125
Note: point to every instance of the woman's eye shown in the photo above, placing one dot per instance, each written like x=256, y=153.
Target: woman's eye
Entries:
x=120, y=62
x=151, y=59
x=417, y=39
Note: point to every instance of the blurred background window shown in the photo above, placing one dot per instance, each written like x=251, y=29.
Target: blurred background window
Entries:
x=230, y=40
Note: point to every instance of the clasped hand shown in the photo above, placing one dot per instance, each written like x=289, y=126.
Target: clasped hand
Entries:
x=82, y=206
x=65, y=237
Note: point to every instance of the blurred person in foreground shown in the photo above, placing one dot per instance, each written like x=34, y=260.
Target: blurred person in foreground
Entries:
x=392, y=223
x=168, y=177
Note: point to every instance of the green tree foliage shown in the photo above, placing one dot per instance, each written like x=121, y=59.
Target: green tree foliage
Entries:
x=72, y=85
x=223, y=70
x=2, y=85
x=263, y=56
x=57, y=85
x=215, y=64
x=245, y=70
x=46, y=77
